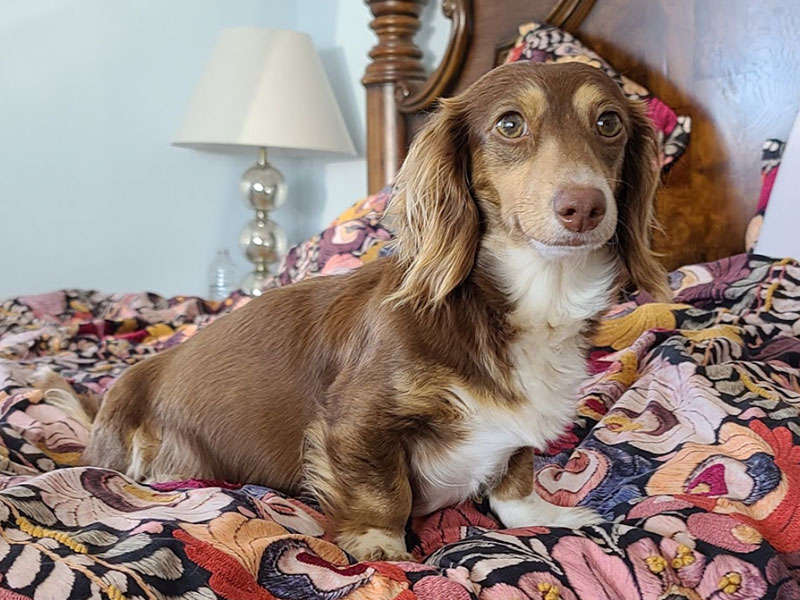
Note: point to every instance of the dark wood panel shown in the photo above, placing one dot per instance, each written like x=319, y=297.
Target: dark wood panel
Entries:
x=495, y=24
x=734, y=67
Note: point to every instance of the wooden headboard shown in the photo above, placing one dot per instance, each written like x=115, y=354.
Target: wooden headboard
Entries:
x=732, y=65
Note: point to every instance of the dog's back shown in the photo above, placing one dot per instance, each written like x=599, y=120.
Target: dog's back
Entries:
x=228, y=403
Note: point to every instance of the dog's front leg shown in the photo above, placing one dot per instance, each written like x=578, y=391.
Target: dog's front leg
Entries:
x=360, y=476
x=517, y=504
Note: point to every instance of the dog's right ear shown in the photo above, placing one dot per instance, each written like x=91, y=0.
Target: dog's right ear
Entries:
x=432, y=212
x=640, y=176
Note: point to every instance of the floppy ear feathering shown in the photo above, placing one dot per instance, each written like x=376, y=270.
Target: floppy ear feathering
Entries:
x=432, y=212
x=640, y=180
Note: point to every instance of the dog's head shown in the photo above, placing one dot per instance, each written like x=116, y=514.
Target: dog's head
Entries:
x=549, y=156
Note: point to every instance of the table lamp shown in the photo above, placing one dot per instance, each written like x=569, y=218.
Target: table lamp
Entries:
x=264, y=88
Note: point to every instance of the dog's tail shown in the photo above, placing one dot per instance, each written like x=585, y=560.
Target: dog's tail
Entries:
x=59, y=393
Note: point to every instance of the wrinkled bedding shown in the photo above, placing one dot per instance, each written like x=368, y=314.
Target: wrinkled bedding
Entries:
x=688, y=442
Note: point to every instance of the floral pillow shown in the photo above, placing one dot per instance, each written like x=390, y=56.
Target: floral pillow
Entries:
x=548, y=44
x=352, y=240
x=771, y=153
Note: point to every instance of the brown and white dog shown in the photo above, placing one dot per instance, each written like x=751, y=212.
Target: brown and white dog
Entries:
x=424, y=378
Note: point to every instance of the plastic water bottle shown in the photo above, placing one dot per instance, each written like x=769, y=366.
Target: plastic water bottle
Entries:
x=222, y=276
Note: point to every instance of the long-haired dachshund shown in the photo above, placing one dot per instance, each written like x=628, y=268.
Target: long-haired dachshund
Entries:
x=427, y=377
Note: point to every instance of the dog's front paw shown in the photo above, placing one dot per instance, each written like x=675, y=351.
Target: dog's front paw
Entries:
x=375, y=544
x=575, y=517
x=533, y=511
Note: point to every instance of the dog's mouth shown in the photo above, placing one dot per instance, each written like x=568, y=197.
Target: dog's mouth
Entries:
x=570, y=243
x=563, y=249
x=577, y=242
x=567, y=243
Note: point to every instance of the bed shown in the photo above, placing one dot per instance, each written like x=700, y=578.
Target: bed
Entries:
x=688, y=438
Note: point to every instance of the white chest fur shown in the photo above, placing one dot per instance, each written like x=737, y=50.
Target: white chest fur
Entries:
x=553, y=300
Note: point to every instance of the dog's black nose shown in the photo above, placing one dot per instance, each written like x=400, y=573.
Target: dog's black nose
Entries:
x=580, y=209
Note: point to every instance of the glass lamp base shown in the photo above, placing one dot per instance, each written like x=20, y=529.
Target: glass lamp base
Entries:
x=255, y=283
x=261, y=240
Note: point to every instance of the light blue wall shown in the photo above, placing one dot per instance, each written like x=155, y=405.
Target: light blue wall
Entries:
x=92, y=194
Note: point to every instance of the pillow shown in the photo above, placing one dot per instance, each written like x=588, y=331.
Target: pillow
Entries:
x=771, y=153
x=549, y=44
x=352, y=240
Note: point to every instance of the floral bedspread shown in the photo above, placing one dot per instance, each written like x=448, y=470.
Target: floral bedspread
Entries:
x=688, y=443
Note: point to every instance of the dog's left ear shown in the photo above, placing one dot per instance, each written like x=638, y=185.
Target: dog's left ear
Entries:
x=432, y=212
x=640, y=179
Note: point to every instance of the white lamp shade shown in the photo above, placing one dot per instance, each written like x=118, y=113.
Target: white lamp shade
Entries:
x=264, y=88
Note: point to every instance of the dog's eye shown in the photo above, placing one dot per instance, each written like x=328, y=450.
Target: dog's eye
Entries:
x=511, y=125
x=609, y=124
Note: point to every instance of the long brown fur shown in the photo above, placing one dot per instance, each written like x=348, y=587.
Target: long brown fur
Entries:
x=337, y=383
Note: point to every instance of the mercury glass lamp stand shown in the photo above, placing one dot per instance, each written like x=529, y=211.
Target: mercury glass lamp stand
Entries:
x=261, y=240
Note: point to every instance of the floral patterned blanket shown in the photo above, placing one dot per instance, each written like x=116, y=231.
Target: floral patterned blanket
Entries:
x=688, y=442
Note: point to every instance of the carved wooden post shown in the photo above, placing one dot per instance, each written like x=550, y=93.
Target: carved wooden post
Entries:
x=395, y=70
